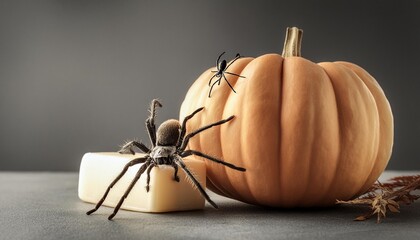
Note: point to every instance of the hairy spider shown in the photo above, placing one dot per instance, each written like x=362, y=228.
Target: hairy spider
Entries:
x=168, y=148
x=222, y=66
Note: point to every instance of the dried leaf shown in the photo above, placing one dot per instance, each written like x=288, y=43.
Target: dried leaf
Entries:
x=383, y=212
x=360, y=218
x=388, y=195
x=375, y=202
x=405, y=199
x=393, y=203
x=393, y=209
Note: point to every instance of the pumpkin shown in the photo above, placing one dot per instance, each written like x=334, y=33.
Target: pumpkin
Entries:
x=307, y=133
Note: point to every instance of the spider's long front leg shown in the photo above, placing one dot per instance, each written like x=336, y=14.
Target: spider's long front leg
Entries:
x=136, y=178
x=128, y=147
x=192, y=134
x=234, y=74
x=218, y=60
x=129, y=164
x=190, y=175
x=150, y=122
x=236, y=58
x=200, y=154
x=228, y=83
x=184, y=126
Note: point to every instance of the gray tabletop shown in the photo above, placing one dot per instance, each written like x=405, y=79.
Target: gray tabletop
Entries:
x=46, y=206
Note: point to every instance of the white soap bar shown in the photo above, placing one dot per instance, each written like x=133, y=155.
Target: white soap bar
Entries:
x=98, y=170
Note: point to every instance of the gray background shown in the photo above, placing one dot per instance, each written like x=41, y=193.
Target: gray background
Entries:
x=77, y=76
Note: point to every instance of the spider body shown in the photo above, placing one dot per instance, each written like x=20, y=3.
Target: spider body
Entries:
x=168, y=148
x=222, y=66
x=163, y=155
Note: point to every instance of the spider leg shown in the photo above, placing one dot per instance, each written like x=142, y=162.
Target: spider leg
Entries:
x=127, y=148
x=136, y=178
x=228, y=83
x=200, y=154
x=150, y=122
x=211, y=88
x=149, y=169
x=234, y=74
x=190, y=175
x=129, y=164
x=218, y=60
x=176, y=177
x=236, y=58
x=184, y=126
x=192, y=134
x=212, y=78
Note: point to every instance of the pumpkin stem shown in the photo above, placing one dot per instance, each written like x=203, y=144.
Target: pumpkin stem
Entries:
x=293, y=42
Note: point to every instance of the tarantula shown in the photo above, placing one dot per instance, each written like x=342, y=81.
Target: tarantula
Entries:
x=221, y=71
x=168, y=148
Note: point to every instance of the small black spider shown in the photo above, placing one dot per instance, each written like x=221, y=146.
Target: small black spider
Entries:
x=222, y=66
x=168, y=148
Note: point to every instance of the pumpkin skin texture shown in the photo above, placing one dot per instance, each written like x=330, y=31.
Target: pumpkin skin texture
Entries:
x=306, y=133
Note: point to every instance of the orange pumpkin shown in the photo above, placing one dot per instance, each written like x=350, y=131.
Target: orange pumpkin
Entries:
x=307, y=133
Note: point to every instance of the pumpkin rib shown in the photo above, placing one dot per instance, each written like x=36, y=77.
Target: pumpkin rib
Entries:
x=339, y=144
x=368, y=183
x=291, y=115
x=308, y=135
x=341, y=124
x=230, y=94
x=196, y=99
x=385, y=131
x=312, y=134
x=192, y=96
x=321, y=133
x=213, y=116
x=334, y=142
x=215, y=111
x=260, y=103
x=359, y=115
x=279, y=162
x=250, y=196
x=278, y=91
x=261, y=114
